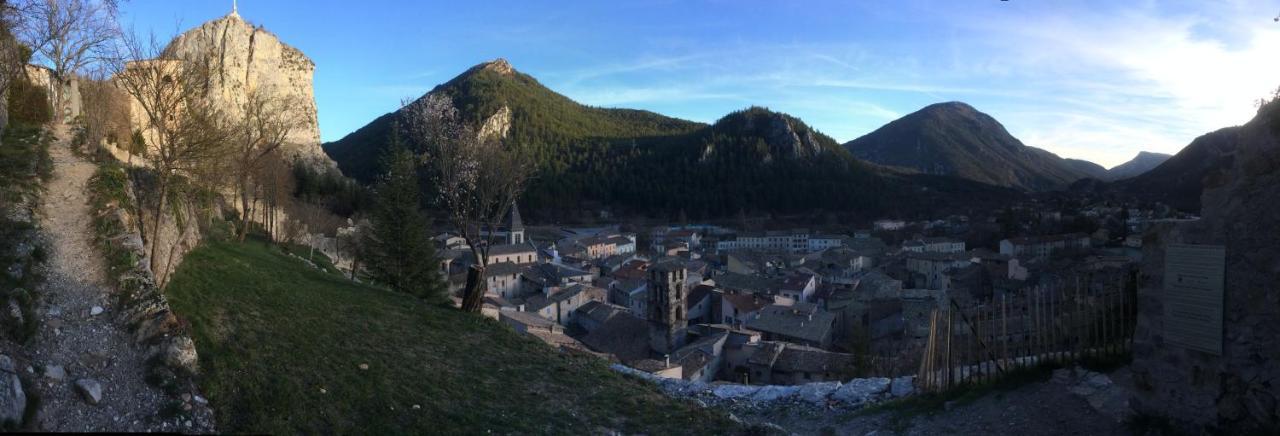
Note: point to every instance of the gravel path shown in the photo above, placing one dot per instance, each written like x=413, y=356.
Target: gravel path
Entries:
x=77, y=332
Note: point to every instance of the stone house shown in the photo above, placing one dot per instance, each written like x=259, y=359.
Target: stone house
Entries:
x=703, y=359
x=802, y=323
x=933, y=245
x=632, y=294
x=781, y=363
x=540, y=277
x=519, y=254
x=504, y=280
x=559, y=304
x=700, y=302
x=821, y=242
x=799, y=287
x=931, y=268
x=736, y=308
x=1037, y=247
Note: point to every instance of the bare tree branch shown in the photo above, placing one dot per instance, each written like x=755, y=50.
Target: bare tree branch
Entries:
x=476, y=177
x=69, y=35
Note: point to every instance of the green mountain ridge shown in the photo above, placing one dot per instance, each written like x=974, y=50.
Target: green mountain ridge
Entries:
x=639, y=163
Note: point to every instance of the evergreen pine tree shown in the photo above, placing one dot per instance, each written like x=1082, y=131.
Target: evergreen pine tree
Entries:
x=401, y=253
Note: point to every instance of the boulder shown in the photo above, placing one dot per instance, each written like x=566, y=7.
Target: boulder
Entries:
x=902, y=387
x=54, y=372
x=13, y=400
x=90, y=389
x=817, y=393
x=729, y=392
x=180, y=353
x=858, y=392
x=771, y=393
x=15, y=312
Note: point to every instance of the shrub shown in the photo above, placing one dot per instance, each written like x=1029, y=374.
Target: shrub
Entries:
x=29, y=104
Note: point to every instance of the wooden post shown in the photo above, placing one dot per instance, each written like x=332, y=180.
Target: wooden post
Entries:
x=950, y=376
x=1004, y=329
x=1079, y=321
x=1037, y=345
x=1106, y=324
x=927, y=363
x=924, y=355
x=1053, y=326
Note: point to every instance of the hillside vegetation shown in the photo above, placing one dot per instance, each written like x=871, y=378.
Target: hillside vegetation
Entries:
x=955, y=139
x=1180, y=179
x=282, y=344
x=639, y=163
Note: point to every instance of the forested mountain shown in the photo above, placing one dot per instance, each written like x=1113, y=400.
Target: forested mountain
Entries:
x=1179, y=181
x=536, y=117
x=640, y=163
x=955, y=139
x=1088, y=168
x=1143, y=162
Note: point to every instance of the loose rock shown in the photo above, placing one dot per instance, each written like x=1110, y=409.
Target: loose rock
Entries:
x=13, y=401
x=55, y=372
x=180, y=353
x=860, y=391
x=90, y=389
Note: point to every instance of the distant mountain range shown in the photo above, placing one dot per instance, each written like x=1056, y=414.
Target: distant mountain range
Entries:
x=641, y=163
x=1180, y=179
x=1089, y=168
x=954, y=139
x=1140, y=164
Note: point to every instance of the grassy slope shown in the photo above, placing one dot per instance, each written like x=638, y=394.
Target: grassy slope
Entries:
x=272, y=333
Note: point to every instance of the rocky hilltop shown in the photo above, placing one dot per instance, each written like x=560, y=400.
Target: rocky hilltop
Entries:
x=782, y=136
x=1140, y=164
x=249, y=57
x=954, y=139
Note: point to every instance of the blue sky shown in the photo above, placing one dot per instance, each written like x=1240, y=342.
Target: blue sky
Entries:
x=1097, y=80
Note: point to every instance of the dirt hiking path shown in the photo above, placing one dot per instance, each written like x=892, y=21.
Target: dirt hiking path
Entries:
x=79, y=349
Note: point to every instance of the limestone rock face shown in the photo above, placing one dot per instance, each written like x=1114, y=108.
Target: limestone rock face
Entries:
x=1235, y=393
x=249, y=57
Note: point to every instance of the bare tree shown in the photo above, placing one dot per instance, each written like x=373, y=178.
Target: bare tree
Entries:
x=184, y=131
x=272, y=184
x=264, y=124
x=69, y=35
x=476, y=177
x=105, y=114
x=13, y=55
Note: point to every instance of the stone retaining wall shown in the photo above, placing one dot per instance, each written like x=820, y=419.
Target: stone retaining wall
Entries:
x=851, y=395
x=146, y=312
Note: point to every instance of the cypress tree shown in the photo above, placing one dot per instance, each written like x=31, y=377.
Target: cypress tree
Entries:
x=401, y=253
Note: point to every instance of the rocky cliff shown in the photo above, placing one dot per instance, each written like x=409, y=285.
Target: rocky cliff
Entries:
x=765, y=135
x=249, y=57
x=1235, y=392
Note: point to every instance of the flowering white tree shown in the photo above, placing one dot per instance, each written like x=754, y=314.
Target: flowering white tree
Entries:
x=476, y=178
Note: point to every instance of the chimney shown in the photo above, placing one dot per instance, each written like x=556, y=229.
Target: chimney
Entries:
x=668, y=357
